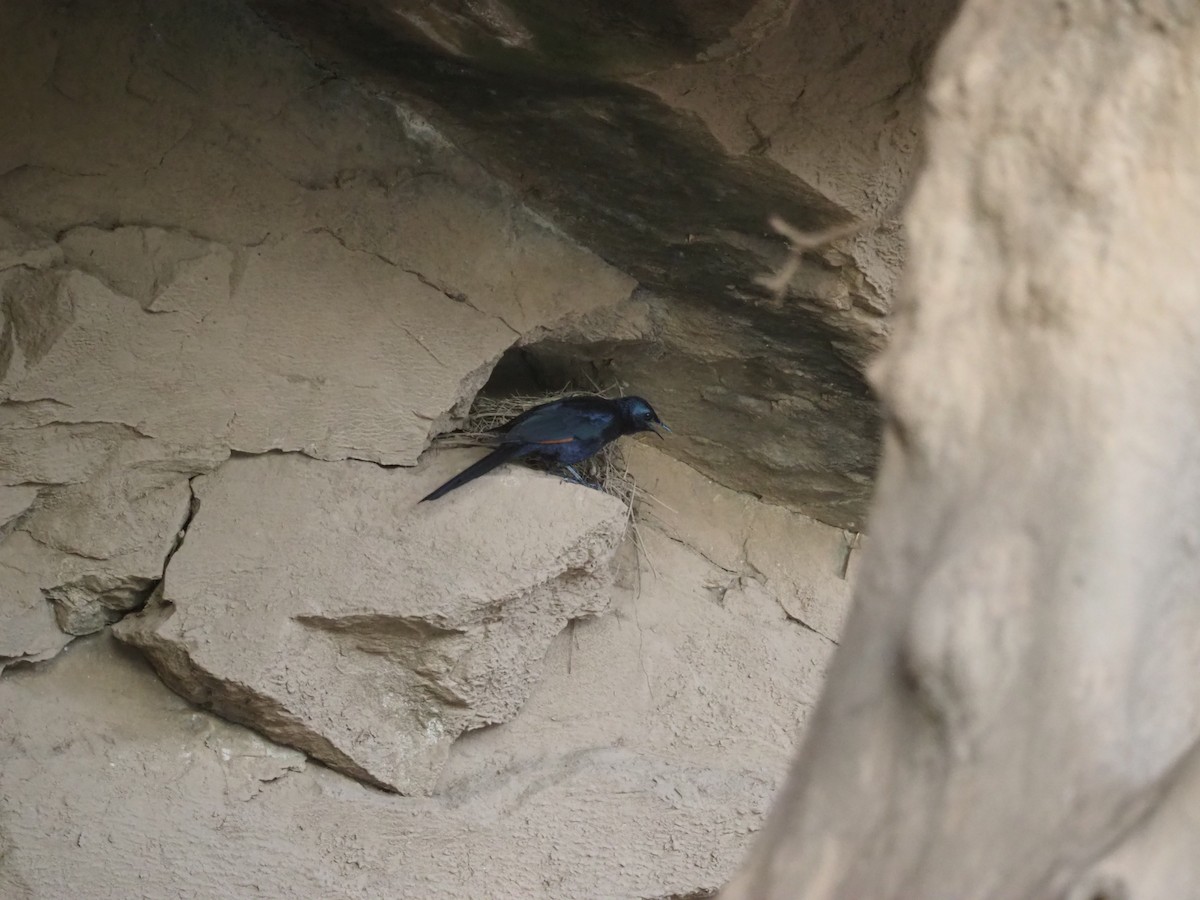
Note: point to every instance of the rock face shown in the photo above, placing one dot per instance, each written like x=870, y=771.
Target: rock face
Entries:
x=94, y=549
x=398, y=628
x=802, y=567
x=239, y=285
x=641, y=765
x=92, y=505
x=250, y=341
x=669, y=160
x=316, y=271
x=1014, y=711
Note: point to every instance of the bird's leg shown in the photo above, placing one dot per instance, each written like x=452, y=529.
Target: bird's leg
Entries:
x=575, y=475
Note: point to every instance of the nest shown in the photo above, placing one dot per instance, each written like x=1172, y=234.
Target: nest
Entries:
x=606, y=471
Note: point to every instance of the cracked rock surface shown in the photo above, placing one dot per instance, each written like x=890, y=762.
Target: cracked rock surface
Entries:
x=398, y=628
x=803, y=568
x=664, y=136
x=284, y=365
x=238, y=289
x=310, y=268
x=644, y=759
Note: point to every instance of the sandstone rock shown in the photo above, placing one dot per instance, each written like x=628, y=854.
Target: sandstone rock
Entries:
x=108, y=512
x=312, y=268
x=27, y=629
x=313, y=252
x=767, y=549
x=282, y=365
x=644, y=761
x=90, y=592
x=37, y=311
x=678, y=133
x=18, y=247
x=94, y=511
x=1014, y=709
x=806, y=566
x=56, y=453
x=160, y=269
x=26, y=264
x=397, y=628
x=118, y=529
x=102, y=510
x=253, y=250
x=14, y=500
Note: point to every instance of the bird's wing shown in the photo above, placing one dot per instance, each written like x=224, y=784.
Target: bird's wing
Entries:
x=560, y=422
x=584, y=402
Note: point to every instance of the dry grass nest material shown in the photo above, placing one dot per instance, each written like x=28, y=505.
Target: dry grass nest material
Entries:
x=607, y=471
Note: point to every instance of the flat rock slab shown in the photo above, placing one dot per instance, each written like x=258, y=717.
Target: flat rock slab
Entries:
x=300, y=346
x=103, y=507
x=323, y=606
x=27, y=630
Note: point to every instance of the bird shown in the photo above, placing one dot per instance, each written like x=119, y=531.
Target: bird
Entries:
x=565, y=431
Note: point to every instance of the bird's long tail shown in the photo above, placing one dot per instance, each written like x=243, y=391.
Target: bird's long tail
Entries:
x=497, y=457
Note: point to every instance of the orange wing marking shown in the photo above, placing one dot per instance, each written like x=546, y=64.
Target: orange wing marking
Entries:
x=559, y=441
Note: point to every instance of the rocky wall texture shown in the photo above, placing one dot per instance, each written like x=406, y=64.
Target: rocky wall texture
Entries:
x=642, y=763
x=240, y=292
x=196, y=265
x=322, y=606
x=1014, y=710
x=663, y=137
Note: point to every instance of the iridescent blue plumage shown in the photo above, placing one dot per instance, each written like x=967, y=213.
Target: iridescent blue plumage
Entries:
x=565, y=431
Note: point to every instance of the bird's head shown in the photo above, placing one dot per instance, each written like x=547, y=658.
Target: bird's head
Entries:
x=640, y=416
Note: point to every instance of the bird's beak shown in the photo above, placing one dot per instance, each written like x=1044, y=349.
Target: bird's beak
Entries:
x=663, y=426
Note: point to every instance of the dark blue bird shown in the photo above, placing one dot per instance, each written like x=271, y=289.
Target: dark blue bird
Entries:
x=565, y=431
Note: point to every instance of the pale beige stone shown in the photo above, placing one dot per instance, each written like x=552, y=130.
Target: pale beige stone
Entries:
x=397, y=628
x=1014, y=710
